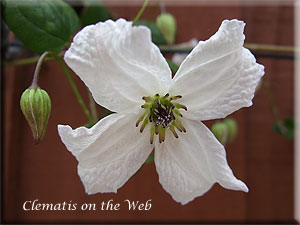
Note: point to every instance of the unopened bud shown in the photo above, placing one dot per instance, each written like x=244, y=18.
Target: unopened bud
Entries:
x=36, y=107
x=232, y=129
x=166, y=23
x=220, y=130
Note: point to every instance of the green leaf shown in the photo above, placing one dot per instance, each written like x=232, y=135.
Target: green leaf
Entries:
x=172, y=66
x=41, y=25
x=156, y=35
x=95, y=12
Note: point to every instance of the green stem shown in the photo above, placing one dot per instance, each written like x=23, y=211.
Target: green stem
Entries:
x=74, y=88
x=272, y=49
x=261, y=48
x=30, y=60
x=140, y=12
x=93, y=107
x=20, y=62
x=38, y=67
x=162, y=6
x=274, y=107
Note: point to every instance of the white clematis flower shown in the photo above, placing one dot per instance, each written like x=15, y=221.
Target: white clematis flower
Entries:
x=128, y=75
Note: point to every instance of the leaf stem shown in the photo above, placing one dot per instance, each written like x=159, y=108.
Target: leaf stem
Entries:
x=74, y=88
x=140, y=12
x=38, y=67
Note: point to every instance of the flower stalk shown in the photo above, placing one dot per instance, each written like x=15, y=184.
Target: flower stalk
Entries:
x=38, y=67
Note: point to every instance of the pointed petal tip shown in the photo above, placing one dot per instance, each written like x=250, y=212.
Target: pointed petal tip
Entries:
x=244, y=187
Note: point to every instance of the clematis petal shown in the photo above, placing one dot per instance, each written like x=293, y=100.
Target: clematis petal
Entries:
x=190, y=165
x=219, y=76
x=119, y=64
x=108, y=154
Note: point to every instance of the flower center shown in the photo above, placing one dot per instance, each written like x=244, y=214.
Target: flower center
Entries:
x=162, y=113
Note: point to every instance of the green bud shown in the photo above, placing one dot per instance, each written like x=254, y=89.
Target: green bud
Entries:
x=166, y=23
x=36, y=107
x=220, y=130
x=232, y=129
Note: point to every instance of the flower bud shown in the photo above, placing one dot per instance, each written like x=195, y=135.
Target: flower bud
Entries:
x=36, y=107
x=232, y=129
x=220, y=130
x=166, y=23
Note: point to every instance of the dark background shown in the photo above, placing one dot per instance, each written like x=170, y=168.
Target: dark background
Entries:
x=259, y=157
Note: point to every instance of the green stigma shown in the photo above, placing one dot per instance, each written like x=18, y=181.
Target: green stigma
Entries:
x=162, y=113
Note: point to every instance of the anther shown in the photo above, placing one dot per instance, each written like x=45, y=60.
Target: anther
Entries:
x=145, y=106
x=152, y=130
x=176, y=124
x=166, y=95
x=144, y=124
x=173, y=131
x=163, y=107
x=180, y=106
x=181, y=127
x=140, y=119
x=176, y=112
x=162, y=133
x=156, y=129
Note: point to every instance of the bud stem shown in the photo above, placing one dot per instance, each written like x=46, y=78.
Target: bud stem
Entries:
x=162, y=6
x=38, y=67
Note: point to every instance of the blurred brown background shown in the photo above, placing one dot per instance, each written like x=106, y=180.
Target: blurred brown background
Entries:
x=259, y=157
